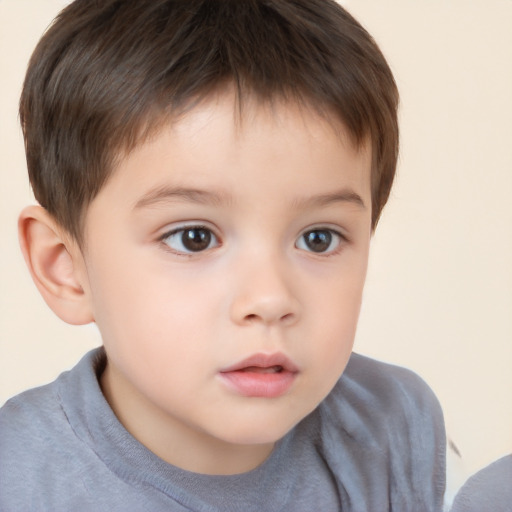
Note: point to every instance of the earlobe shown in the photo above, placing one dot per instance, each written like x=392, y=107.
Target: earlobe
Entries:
x=56, y=265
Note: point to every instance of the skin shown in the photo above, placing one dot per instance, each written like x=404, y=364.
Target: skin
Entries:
x=172, y=319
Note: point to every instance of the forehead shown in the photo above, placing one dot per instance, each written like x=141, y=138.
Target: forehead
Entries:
x=219, y=143
x=238, y=110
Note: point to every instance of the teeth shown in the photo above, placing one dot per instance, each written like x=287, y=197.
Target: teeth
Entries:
x=259, y=369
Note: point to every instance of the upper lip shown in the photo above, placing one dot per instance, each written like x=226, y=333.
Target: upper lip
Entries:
x=262, y=360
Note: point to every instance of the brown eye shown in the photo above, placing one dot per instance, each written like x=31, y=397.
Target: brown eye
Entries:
x=319, y=241
x=191, y=239
x=196, y=239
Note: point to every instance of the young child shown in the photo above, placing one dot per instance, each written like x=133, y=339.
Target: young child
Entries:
x=209, y=174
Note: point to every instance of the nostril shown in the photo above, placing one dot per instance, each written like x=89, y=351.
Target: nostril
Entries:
x=288, y=316
x=254, y=318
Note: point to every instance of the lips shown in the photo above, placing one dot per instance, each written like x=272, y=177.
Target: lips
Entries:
x=261, y=375
x=258, y=369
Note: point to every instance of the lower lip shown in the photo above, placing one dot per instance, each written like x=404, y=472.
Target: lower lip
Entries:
x=263, y=385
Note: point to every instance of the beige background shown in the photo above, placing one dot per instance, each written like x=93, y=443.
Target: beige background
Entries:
x=439, y=292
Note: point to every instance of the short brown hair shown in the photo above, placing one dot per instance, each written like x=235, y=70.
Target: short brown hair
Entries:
x=107, y=72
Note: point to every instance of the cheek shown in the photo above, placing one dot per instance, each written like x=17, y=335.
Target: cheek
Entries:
x=335, y=312
x=331, y=352
x=152, y=317
x=336, y=296
x=337, y=330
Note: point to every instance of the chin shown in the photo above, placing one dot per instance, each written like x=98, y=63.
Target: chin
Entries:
x=256, y=431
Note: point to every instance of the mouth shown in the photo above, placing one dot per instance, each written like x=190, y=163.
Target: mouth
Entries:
x=261, y=375
x=259, y=369
x=264, y=363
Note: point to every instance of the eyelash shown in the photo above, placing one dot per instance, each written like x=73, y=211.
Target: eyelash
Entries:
x=334, y=236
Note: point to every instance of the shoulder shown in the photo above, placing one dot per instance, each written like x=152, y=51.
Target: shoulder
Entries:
x=373, y=374
x=30, y=427
x=382, y=428
x=386, y=405
x=384, y=393
x=38, y=447
x=29, y=417
x=38, y=421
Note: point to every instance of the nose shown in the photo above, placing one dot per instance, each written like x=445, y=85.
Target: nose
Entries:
x=264, y=294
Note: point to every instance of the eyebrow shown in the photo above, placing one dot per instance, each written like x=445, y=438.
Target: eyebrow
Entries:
x=164, y=194
x=342, y=196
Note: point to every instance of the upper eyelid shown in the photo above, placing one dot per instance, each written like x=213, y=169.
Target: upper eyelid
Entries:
x=178, y=227
x=168, y=231
x=326, y=227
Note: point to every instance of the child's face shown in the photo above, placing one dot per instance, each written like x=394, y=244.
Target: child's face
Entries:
x=216, y=242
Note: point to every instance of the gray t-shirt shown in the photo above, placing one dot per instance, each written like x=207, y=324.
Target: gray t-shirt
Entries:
x=376, y=444
x=488, y=490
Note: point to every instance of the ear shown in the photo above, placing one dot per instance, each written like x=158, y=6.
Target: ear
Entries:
x=56, y=265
